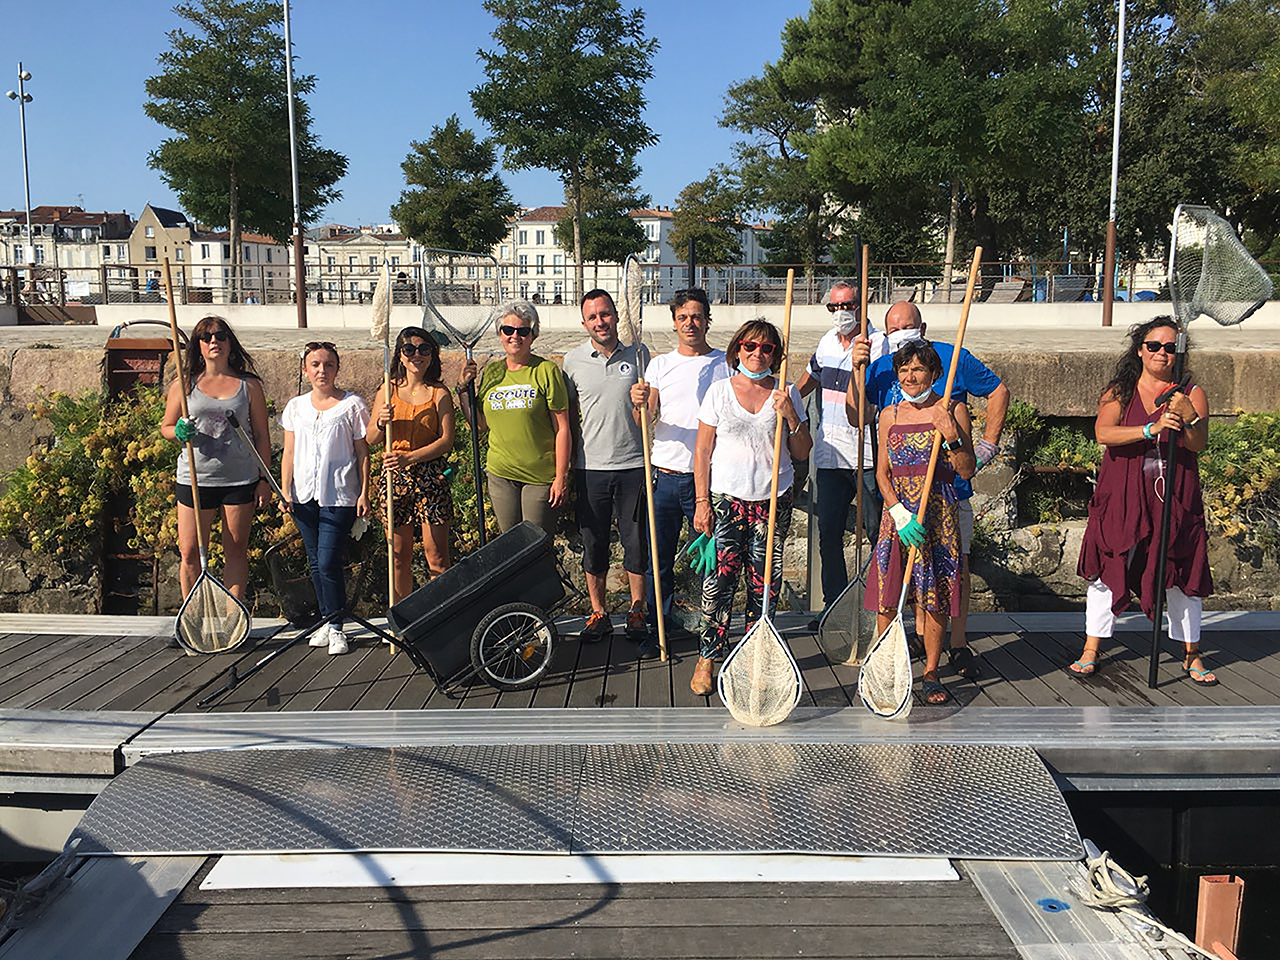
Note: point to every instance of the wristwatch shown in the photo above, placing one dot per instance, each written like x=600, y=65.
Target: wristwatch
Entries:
x=951, y=446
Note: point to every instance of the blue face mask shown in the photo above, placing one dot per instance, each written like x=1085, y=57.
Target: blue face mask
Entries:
x=754, y=376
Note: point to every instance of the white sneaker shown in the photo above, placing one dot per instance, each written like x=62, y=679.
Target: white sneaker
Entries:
x=320, y=638
x=337, y=641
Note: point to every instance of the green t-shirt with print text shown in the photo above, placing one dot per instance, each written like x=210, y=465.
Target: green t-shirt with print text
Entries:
x=517, y=405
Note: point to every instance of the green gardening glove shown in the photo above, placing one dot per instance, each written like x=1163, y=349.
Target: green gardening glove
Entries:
x=185, y=429
x=910, y=532
x=702, y=555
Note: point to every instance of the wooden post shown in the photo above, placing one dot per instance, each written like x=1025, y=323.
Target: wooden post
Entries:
x=262, y=279
x=1218, y=911
x=13, y=285
x=102, y=284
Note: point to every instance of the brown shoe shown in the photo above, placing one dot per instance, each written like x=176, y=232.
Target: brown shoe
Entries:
x=598, y=627
x=701, y=683
x=637, y=627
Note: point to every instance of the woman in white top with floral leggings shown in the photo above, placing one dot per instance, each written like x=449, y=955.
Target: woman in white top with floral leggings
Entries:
x=325, y=469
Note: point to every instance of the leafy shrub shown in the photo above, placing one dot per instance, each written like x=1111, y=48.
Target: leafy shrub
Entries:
x=1065, y=446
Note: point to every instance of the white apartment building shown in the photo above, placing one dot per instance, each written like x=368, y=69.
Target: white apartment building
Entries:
x=342, y=263
x=67, y=236
x=264, y=269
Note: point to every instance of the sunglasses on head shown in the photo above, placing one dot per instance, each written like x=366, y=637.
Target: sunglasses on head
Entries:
x=318, y=345
x=510, y=331
x=846, y=305
x=765, y=348
x=1155, y=346
x=416, y=349
x=210, y=335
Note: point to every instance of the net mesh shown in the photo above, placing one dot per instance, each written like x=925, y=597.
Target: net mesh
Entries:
x=380, y=321
x=884, y=682
x=1210, y=270
x=847, y=628
x=461, y=292
x=632, y=306
x=211, y=620
x=760, y=680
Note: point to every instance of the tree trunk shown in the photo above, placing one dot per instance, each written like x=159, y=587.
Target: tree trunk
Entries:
x=953, y=223
x=575, y=187
x=233, y=231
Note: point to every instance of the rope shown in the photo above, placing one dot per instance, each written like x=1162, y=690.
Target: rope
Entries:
x=1110, y=887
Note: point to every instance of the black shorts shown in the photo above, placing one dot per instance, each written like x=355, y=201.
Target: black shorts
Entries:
x=605, y=495
x=213, y=497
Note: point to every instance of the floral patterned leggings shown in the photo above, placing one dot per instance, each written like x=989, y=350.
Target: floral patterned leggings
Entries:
x=742, y=528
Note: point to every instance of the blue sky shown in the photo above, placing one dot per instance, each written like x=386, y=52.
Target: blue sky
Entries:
x=387, y=72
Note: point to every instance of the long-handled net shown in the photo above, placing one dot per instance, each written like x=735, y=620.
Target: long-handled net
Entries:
x=211, y=619
x=846, y=629
x=632, y=310
x=760, y=681
x=1211, y=273
x=460, y=294
x=380, y=329
x=884, y=682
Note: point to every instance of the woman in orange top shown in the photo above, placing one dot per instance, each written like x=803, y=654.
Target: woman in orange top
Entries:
x=421, y=437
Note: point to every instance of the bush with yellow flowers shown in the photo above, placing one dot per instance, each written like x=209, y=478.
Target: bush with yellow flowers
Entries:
x=1240, y=472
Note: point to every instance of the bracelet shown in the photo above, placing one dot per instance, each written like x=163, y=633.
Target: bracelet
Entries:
x=1146, y=430
x=701, y=499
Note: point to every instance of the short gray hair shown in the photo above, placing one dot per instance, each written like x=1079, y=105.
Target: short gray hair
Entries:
x=839, y=285
x=522, y=310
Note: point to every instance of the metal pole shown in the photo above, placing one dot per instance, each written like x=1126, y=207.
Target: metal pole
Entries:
x=23, y=99
x=1109, y=259
x=299, y=268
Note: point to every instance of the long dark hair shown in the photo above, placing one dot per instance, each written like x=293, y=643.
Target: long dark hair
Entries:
x=1124, y=381
x=398, y=373
x=238, y=358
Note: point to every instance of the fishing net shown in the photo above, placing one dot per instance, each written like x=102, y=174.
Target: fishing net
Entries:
x=631, y=305
x=760, y=681
x=1210, y=270
x=380, y=324
x=211, y=619
x=884, y=682
x=847, y=629
x=460, y=294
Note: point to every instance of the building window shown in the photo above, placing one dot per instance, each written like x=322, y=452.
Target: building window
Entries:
x=542, y=264
x=524, y=289
x=121, y=253
x=331, y=262
x=306, y=251
x=331, y=286
x=504, y=272
x=354, y=290
x=268, y=254
x=522, y=237
x=17, y=253
x=204, y=274
x=179, y=254
x=204, y=251
x=559, y=290
x=556, y=261
x=373, y=261
x=471, y=273
x=506, y=251
x=351, y=261
x=488, y=273
x=542, y=290
x=395, y=262
x=524, y=265
x=248, y=253
x=148, y=252
x=106, y=251
x=540, y=237
x=39, y=254
x=149, y=232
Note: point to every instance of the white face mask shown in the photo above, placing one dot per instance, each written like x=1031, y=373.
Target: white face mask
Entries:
x=900, y=337
x=844, y=321
x=921, y=397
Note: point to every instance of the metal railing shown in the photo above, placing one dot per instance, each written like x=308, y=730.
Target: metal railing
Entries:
x=1019, y=281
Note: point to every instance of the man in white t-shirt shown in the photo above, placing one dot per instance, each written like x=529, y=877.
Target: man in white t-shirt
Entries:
x=835, y=451
x=676, y=384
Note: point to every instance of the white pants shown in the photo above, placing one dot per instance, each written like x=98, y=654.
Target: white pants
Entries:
x=1184, y=614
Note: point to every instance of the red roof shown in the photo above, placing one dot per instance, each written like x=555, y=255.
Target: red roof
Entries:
x=549, y=214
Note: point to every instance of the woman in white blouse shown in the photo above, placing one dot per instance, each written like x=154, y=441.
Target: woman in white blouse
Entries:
x=325, y=470
x=733, y=478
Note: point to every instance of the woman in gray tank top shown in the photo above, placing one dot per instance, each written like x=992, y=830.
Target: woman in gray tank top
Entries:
x=221, y=379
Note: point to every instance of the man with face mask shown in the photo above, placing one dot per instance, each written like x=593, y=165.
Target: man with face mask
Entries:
x=902, y=324
x=835, y=452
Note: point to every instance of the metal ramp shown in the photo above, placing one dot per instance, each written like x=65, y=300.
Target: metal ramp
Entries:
x=920, y=799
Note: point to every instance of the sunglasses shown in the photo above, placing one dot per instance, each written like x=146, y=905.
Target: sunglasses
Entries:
x=210, y=335
x=318, y=345
x=416, y=349
x=751, y=346
x=510, y=331
x=847, y=305
x=1155, y=346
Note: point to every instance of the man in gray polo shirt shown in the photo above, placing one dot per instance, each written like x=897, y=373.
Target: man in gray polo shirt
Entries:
x=609, y=461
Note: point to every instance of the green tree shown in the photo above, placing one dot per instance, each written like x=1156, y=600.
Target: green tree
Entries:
x=221, y=90
x=609, y=232
x=563, y=91
x=709, y=212
x=456, y=200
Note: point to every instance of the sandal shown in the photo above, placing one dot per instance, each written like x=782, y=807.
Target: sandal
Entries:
x=1198, y=674
x=935, y=693
x=964, y=663
x=1082, y=669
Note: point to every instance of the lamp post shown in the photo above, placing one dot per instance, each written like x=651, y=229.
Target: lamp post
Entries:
x=23, y=99
x=299, y=268
x=1109, y=258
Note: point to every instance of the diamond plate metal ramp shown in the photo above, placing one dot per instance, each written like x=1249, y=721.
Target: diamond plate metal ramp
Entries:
x=925, y=800
x=482, y=798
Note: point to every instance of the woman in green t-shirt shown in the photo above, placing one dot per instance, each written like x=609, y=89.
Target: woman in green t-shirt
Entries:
x=524, y=404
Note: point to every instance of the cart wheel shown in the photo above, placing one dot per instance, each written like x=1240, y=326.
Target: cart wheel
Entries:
x=511, y=646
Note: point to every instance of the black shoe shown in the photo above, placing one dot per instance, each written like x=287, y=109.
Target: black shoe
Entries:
x=597, y=628
x=964, y=663
x=647, y=649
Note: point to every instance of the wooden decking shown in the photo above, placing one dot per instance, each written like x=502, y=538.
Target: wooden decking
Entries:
x=94, y=672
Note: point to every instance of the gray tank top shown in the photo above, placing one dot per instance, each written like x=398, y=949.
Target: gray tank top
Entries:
x=222, y=459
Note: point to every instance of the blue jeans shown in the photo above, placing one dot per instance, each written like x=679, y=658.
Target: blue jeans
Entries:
x=324, y=533
x=673, y=503
x=837, y=491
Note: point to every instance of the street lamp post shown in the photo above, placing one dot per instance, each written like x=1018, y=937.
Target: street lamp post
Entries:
x=299, y=268
x=23, y=99
x=1109, y=257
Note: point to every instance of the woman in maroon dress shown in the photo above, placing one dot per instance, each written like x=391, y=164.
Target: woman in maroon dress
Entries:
x=1122, y=542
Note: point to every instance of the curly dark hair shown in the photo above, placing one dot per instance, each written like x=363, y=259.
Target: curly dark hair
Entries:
x=921, y=350
x=1124, y=381
x=398, y=373
x=238, y=358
